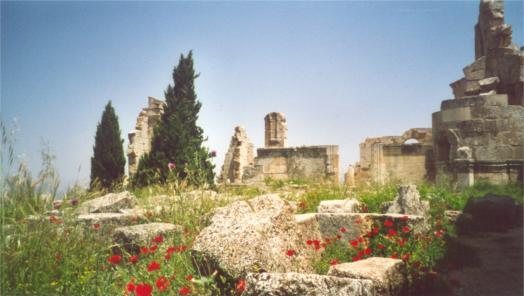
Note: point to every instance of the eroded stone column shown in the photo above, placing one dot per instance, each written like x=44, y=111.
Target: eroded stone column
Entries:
x=239, y=156
x=276, y=130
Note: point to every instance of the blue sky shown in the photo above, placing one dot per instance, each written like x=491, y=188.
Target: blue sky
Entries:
x=340, y=71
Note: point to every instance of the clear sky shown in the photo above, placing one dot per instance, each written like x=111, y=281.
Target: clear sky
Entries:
x=340, y=71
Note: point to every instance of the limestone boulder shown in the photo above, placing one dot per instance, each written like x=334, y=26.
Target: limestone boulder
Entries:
x=283, y=284
x=107, y=219
x=252, y=236
x=493, y=212
x=339, y=206
x=109, y=203
x=133, y=237
x=359, y=224
x=389, y=276
x=408, y=202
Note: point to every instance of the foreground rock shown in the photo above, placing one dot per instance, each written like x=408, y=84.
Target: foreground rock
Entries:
x=253, y=236
x=132, y=237
x=408, y=202
x=388, y=275
x=276, y=284
x=359, y=224
x=494, y=212
x=108, y=219
x=339, y=206
x=109, y=203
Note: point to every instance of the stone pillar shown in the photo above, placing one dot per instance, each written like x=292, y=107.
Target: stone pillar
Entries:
x=238, y=157
x=349, y=177
x=276, y=130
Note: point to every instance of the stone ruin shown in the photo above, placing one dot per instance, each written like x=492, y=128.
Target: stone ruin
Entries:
x=406, y=158
x=277, y=161
x=275, y=130
x=238, y=156
x=140, y=137
x=479, y=134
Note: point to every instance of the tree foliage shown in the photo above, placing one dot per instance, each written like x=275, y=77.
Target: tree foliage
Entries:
x=176, y=146
x=108, y=161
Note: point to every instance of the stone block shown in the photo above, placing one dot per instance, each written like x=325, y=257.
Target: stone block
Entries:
x=284, y=284
x=109, y=203
x=339, y=206
x=389, y=276
x=108, y=218
x=133, y=237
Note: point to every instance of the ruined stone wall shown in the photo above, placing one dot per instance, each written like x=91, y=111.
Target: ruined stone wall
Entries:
x=388, y=158
x=140, y=137
x=479, y=134
x=275, y=130
x=499, y=64
x=305, y=163
x=238, y=157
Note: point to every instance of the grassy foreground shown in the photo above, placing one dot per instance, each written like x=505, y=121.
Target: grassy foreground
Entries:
x=53, y=255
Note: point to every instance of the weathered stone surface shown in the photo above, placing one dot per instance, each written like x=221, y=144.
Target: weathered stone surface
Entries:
x=304, y=163
x=308, y=228
x=408, y=202
x=107, y=218
x=275, y=130
x=284, y=284
x=389, y=276
x=387, y=158
x=253, y=235
x=339, y=206
x=359, y=224
x=493, y=212
x=132, y=237
x=489, y=84
x=140, y=137
x=109, y=203
x=239, y=155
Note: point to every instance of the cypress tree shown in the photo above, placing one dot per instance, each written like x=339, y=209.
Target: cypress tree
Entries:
x=177, y=139
x=108, y=161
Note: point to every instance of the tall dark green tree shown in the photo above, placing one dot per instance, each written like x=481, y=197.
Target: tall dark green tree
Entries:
x=176, y=146
x=108, y=161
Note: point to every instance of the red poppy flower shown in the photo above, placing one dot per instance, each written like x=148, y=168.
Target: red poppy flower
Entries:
x=392, y=232
x=153, y=266
x=167, y=256
x=388, y=223
x=333, y=262
x=405, y=257
x=290, y=252
x=404, y=218
x=162, y=283
x=184, y=291
x=144, y=250
x=153, y=248
x=115, y=259
x=356, y=258
x=406, y=229
x=130, y=287
x=241, y=286
x=189, y=277
x=438, y=233
x=369, y=234
x=394, y=256
x=143, y=289
x=360, y=253
x=327, y=240
x=309, y=242
x=96, y=225
x=339, y=236
x=358, y=221
x=361, y=239
x=380, y=246
x=158, y=239
x=342, y=229
x=133, y=259
x=375, y=230
x=317, y=244
x=323, y=245
x=354, y=243
x=367, y=251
